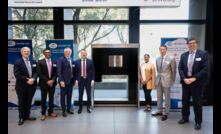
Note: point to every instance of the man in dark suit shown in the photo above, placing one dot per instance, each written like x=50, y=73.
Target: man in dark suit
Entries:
x=26, y=77
x=66, y=80
x=193, y=70
x=85, y=75
x=46, y=69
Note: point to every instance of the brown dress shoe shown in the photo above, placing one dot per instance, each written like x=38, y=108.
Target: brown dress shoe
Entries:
x=43, y=117
x=53, y=114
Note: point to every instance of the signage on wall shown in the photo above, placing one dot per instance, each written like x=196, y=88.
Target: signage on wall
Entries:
x=93, y=3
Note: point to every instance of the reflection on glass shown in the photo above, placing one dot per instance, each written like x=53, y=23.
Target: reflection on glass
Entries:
x=115, y=60
x=96, y=14
x=112, y=88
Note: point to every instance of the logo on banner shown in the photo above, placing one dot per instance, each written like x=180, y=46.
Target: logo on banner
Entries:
x=53, y=45
x=11, y=43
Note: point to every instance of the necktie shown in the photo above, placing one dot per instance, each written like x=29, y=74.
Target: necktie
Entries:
x=190, y=63
x=161, y=64
x=69, y=60
x=28, y=65
x=49, y=68
x=84, y=69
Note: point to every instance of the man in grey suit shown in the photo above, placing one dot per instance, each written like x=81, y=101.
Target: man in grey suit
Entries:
x=166, y=73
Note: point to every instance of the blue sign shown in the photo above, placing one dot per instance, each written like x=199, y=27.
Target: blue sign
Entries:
x=57, y=47
x=14, y=48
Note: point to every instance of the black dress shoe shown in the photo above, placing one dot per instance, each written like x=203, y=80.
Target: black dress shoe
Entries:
x=64, y=114
x=30, y=118
x=21, y=121
x=197, y=126
x=157, y=114
x=70, y=112
x=89, y=110
x=164, y=117
x=79, y=110
x=183, y=120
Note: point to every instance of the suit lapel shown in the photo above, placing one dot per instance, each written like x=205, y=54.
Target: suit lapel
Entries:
x=24, y=66
x=45, y=66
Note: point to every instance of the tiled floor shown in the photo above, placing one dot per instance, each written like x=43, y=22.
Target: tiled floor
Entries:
x=110, y=120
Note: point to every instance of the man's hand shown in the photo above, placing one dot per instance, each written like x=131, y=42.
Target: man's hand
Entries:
x=62, y=84
x=187, y=81
x=92, y=83
x=50, y=83
x=76, y=83
x=30, y=81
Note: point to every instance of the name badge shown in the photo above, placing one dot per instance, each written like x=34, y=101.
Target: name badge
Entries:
x=33, y=65
x=167, y=62
x=198, y=59
x=54, y=65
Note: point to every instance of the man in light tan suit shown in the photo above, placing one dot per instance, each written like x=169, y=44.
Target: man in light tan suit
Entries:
x=166, y=73
x=147, y=76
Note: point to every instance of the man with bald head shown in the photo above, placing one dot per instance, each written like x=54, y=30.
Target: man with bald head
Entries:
x=26, y=77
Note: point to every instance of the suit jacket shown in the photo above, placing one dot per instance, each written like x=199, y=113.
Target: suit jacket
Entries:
x=150, y=75
x=64, y=70
x=21, y=74
x=90, y=72
x=168, y=73
x=200, y=67
x=42, y=70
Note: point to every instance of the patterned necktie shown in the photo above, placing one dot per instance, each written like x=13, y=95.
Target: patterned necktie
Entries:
x=161, y=64
x=49, y=68
x=28, y=65
x=190, y=63
x=84, y=69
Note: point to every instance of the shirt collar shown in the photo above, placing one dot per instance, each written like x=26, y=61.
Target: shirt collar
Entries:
x=193, y=52
x=25, y=59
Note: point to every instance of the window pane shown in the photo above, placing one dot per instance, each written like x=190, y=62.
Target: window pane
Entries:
x=30, y=14
x=38, y=34
x=96, y=14
x=151, y=34
x=171, y=13
x=85, y=35
x=189, y=9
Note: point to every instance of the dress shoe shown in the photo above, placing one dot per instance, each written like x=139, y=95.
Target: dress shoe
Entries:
x=52, y=114
x=30, y=118
x=157, y=114
x=70, y=112
x=164, y=117
x=197, y=126
x=79, y=110
x=21, y=121
x=64, y=114
x=43, y=117
x=183, y=120
x=89, y=110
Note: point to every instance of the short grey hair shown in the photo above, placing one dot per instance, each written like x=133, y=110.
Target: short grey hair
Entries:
x=22, y=49
x=68, y=49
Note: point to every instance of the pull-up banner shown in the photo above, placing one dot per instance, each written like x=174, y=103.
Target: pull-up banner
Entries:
x=93, y=3
x=14, y=47
x=57, y=47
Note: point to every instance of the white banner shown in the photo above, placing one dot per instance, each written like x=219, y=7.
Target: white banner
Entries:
x=93, y=3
